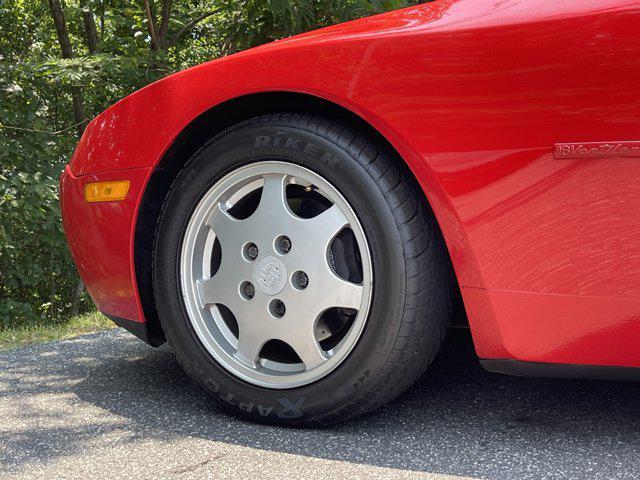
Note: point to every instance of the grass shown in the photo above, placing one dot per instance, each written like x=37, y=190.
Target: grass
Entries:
x=86, y=323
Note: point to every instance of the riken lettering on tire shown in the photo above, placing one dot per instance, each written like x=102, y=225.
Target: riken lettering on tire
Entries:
x=281, y=273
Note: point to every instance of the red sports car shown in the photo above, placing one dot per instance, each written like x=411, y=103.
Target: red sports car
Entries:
x=300, y=221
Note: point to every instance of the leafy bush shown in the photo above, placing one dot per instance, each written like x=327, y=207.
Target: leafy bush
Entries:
x=117, y=47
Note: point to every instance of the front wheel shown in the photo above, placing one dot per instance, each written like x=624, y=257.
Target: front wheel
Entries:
x=299, y=275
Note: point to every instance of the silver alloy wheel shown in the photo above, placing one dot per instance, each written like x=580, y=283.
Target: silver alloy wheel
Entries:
x=271, y=277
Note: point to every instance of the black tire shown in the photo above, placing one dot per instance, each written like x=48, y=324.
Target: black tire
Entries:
x=413, y=293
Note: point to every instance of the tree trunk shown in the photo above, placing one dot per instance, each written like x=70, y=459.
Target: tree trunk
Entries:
x=102, y=9
x=151, y=23
x=75, y=301
x=79, y=116
x=159, y=34
x=57, y=13
x=164, y=23
x=61, y=28
x=90, y=30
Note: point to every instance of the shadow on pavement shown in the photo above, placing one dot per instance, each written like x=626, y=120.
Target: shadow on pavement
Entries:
x=457, y=419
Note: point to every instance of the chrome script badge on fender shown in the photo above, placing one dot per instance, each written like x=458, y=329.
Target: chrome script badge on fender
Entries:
x=597, y=149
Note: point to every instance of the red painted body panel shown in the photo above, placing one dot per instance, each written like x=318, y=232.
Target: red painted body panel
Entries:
x=100, y=237
x=474, y=95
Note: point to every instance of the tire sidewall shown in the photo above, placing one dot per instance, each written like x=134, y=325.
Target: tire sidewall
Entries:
x=361, y=371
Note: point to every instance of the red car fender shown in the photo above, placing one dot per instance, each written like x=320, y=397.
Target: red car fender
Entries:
x=474, y=96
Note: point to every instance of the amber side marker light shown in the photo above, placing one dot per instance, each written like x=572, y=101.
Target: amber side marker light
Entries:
x=106, y=191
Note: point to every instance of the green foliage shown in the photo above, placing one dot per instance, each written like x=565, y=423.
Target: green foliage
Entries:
x=54, y=330
x=37, y=126
x=261, y=21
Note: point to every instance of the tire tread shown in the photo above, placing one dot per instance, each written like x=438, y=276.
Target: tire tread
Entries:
x=426, y=296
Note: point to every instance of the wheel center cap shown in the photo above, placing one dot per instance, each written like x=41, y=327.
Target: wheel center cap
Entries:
x=270, y=275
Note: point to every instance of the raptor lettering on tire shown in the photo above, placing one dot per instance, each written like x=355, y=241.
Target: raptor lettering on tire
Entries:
x=284, y=260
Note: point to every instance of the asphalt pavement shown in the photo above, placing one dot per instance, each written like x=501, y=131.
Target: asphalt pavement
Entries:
x=108, y=406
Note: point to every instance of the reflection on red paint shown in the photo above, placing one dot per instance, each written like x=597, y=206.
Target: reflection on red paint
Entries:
x=474, y=95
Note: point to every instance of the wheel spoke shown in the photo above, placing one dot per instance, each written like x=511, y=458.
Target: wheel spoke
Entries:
x=213, y=290
x=327, y=225
x=308, y=349
x=273, y=200
x=250, y=342
x=223, y=288
x=222, y=223
x=343, y=293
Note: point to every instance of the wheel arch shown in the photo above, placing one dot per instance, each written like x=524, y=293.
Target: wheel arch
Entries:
x=197, y=133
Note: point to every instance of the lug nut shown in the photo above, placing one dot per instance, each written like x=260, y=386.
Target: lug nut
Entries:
x=302, y=279
x=252, y=251
x=285, y=245
x=277, y=308
x=249, y=290
x=280, y=308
